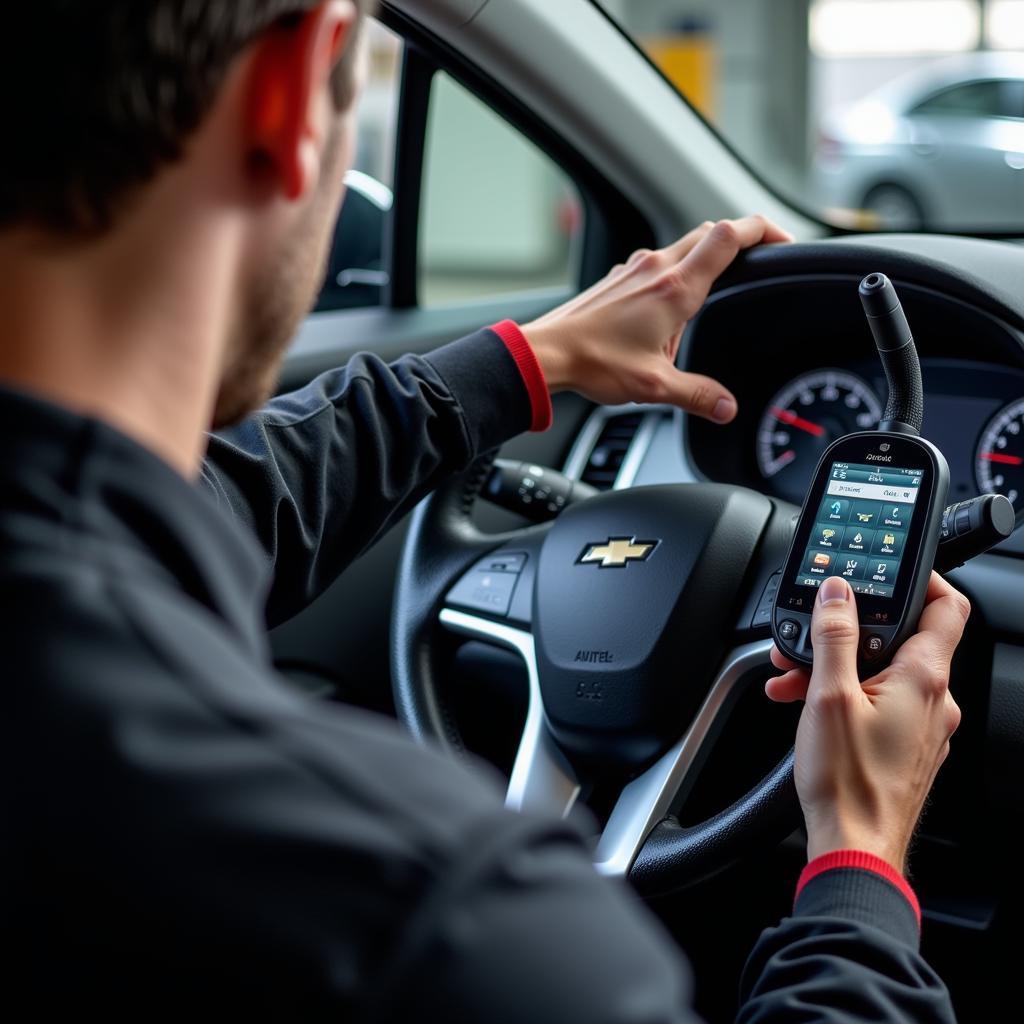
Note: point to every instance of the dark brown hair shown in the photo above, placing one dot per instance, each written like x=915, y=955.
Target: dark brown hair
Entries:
x=100, y=94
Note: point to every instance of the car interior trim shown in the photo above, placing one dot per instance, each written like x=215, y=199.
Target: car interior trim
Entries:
x=542, y=778
x=648, y=799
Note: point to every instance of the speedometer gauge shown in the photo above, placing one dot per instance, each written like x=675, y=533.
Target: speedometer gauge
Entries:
x=803, y=419
x=1000, y=459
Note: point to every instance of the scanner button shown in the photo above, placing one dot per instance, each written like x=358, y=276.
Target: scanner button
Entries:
x=789, y=630
x=873, y=645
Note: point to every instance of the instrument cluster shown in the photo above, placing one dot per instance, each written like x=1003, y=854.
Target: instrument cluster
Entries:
x=799, y=356
x=808, y=412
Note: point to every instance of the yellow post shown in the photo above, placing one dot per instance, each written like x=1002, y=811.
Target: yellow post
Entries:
x=689, y=62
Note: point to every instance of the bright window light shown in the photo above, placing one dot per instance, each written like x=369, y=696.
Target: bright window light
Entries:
x=847, y=28
x=1004, y=29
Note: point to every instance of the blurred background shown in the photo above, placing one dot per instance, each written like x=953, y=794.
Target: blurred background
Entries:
x=868, y=114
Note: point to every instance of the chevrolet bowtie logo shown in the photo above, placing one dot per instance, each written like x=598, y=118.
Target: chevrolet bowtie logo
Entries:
x=617, y=552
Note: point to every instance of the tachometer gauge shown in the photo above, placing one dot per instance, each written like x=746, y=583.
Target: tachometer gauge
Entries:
x=803, y=419
x=999, y=463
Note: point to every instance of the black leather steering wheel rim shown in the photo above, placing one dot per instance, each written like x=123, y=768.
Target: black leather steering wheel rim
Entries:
x=441, y=544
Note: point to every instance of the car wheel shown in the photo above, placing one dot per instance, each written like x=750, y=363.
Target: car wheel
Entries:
x=895, y=207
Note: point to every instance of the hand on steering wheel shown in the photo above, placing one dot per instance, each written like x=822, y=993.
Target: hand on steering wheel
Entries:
x=617, y=341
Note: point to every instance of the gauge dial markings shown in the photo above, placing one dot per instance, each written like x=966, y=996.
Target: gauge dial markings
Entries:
x=999, y=457
x=803, y=418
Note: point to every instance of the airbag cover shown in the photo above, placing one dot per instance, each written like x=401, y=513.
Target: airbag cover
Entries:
x=637, y=594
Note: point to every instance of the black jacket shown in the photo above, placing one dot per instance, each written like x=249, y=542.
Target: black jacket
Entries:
x=180, y=830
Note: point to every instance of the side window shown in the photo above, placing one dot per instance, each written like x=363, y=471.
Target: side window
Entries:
x=975, y=99
x=496, y=214
x=356, y=274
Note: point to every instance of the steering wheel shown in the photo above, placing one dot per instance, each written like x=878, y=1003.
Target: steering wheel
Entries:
x=632, y=611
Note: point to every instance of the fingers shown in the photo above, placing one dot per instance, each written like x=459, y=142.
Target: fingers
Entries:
x=787, y=688
x=791, y=685
x=719, y=246
x=697, y=394
x=835, y=634
x=773, y=233
x=679, y=250
x=779, y=660
x=939, y=631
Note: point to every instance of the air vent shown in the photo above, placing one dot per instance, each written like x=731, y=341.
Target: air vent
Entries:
x=610, y=450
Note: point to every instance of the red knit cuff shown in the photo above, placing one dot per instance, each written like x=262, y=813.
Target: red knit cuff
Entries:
x=864, y=862
x=529, y=369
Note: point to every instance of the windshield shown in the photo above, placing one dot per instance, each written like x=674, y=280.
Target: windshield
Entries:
x=869, y=114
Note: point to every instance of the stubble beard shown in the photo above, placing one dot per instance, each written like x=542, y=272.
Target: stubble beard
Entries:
x=278, y=299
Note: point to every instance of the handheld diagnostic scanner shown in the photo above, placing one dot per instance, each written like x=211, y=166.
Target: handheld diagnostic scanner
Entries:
x=873, y=513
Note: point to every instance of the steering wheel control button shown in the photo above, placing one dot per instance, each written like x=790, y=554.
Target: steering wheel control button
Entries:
x=763, y=614
x=484, y=591
x=789, y=630
x=504, y=561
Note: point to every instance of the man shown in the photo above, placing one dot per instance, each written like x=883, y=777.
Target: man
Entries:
x=180, y=830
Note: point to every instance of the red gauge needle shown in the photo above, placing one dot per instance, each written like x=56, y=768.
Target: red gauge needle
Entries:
x=1008, y=460
x=791, y=418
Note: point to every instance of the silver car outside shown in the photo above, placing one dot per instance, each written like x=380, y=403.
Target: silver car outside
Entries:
x=938, y=149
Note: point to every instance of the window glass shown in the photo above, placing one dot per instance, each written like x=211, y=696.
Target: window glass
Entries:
x=816, y=97
x=356, y=275
x=496, y=214
x=976, y=99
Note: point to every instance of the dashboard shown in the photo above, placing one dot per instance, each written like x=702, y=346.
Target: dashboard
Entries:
x=784, y=329
x=800, y=358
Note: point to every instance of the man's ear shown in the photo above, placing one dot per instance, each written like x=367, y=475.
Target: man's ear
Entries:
x=290, y=96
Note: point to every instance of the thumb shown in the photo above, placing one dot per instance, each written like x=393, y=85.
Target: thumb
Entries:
x=700, y=395
x=835, y=634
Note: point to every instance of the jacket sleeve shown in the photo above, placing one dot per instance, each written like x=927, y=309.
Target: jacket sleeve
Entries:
x=319, y=474
x=849, y=953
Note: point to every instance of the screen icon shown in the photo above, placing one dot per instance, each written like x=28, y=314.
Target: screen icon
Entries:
x=834, y=510
x=857, y=539
x=894, y=515
x=888, y=544
x=820, y=558
x=852, y=567
x=864, y=513
x=882, y=572
x=827, y=536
